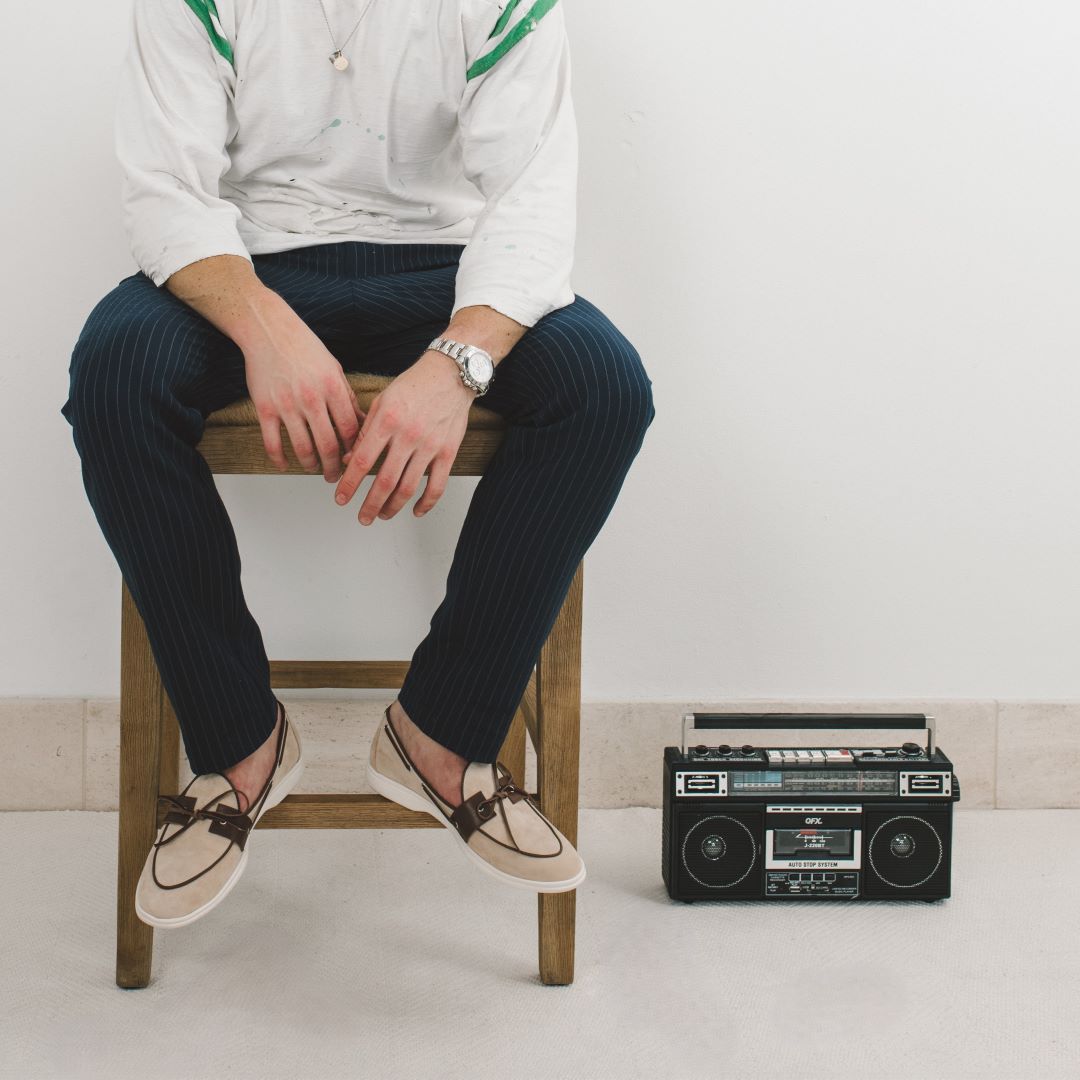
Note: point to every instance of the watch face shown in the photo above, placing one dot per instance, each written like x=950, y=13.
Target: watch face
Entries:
x=480, y=367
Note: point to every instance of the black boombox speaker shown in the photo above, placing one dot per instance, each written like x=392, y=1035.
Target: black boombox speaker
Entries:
x=824, y=823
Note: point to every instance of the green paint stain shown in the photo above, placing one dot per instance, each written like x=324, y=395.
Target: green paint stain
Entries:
x=333, y=123
x=382, y=138
x=511, y=245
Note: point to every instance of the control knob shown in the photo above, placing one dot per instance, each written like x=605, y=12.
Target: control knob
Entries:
x=911, y=748
x=747, y=748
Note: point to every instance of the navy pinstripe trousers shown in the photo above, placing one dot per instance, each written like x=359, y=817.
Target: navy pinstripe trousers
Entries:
x=147, y=369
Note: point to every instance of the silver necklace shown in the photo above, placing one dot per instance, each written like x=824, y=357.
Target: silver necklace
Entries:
x=336, y=58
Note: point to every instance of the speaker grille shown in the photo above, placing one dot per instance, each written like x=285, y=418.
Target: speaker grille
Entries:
x=905, y=851
x=718, y=852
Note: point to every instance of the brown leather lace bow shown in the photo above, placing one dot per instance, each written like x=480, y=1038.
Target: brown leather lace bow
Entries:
x=506, y=790
x=228, y=821
x=476, y=809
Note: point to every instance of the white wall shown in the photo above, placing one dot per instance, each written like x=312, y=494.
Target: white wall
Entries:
x=841, y=236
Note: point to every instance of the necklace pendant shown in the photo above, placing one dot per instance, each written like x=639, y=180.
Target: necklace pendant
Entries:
x=339, y=61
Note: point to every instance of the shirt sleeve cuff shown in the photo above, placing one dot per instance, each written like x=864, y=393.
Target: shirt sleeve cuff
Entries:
x=171, y=258
x=522, y=310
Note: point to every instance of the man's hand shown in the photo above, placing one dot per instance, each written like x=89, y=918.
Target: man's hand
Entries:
x=420, y=420
x=294, y=379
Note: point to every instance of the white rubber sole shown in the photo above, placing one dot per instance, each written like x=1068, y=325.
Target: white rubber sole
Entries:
x=404, y=796
x=277, y=793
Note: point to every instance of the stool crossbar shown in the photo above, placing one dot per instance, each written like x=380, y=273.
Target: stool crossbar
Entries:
x=549, y=713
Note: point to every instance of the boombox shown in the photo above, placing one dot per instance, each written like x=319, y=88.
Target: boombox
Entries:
x=819, y=823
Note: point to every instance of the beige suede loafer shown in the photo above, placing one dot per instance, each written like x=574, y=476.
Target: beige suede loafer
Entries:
x=201, y=849
x=497, y=825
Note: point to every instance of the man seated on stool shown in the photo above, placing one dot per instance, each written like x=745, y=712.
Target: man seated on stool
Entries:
x=312, y=187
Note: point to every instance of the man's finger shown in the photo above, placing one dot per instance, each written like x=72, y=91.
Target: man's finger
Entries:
x=326, y=441
x=366, y=450
x=346, y=416
x=301, y=441
x=438, y=476
x=360, y=414
x=365, y=427
x=352, y=403
x=271, y=437
x=410, y=481
x=387, y=478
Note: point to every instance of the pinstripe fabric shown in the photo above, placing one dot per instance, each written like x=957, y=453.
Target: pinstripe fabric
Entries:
x=145, y=371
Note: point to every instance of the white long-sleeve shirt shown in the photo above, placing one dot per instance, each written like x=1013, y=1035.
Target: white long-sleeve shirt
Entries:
x=452, y=124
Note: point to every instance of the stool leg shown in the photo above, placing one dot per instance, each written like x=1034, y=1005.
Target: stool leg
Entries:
x=170, y=747
x=141, y=701
x=558, y=708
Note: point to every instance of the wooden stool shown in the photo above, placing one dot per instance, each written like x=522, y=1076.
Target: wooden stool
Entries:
x=550, y=711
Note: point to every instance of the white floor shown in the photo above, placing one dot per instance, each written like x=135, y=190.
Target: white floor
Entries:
x=386, y=955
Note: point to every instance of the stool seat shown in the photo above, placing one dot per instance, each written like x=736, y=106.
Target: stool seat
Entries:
x=549, y=714
x=366, y=386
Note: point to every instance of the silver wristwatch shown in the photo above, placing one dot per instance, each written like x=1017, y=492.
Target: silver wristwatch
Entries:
x=475, y=365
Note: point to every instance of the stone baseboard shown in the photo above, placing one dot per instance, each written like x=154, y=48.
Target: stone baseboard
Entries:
x=63, y=753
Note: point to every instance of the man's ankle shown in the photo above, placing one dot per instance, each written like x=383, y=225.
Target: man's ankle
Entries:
x=407, y=729
x=250, y=775
x=444, y=767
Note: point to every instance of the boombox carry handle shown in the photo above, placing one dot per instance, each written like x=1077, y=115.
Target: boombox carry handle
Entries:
x=824, y=721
